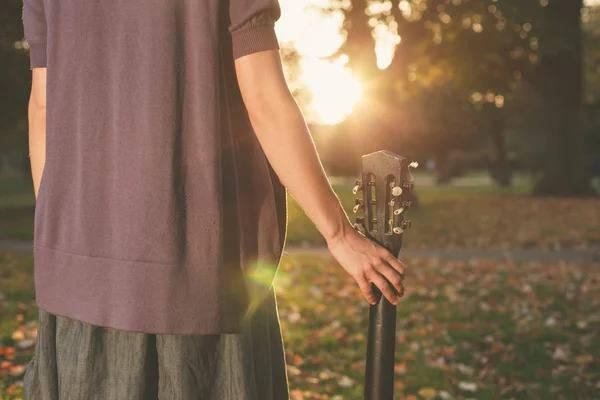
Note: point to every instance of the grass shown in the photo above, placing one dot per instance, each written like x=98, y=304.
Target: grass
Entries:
x=477, y=329
x=466, y=217
x=466, y=330
x=16, y=209
x=479, y=217
x=18, y=323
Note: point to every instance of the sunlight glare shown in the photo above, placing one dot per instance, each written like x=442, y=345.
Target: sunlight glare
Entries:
x=334, y=88
x=313, y=33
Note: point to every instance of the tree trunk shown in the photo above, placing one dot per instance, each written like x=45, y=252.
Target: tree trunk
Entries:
x=500, y=168
x=565, y=172
x=360, y=45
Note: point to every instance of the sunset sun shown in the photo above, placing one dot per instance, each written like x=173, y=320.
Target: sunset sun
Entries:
x=334, y=89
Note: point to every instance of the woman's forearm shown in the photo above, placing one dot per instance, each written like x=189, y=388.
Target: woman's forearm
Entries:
x=289, y=147
x=37, y=126
x=284, y=137
x=37, y=147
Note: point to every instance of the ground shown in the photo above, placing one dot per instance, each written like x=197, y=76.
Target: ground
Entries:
x=466, y=329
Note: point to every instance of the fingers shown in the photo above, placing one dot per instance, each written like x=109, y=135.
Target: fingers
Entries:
x=383, y=285
x=392, y=275
x=394, y=262
x=365, y=288
x=381, y=267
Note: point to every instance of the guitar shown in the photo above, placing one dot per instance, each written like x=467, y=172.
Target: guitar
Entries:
x=386, y=184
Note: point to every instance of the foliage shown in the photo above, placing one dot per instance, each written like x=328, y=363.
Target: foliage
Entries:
x=591, y=16
x=458, y=55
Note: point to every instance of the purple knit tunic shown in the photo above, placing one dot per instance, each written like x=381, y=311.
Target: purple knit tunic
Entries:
x=156, y=203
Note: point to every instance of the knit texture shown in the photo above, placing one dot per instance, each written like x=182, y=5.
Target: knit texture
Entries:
x=157, y=206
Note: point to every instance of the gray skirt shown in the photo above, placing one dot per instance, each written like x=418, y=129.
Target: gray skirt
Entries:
x=74, y=360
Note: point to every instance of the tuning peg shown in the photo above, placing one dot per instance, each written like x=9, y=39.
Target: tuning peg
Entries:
x=397, y=230
x=413, y=164
x=406, y=204
x=406, y=224
x=396, y=191
x=359, y=186
x=358, y=205
x=360, y=221
x=399, y=211
x=408, y=185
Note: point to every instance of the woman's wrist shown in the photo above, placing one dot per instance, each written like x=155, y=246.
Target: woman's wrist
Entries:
x=338, y=226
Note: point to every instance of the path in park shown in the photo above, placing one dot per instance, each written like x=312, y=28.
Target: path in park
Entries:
x=429, y=180
x=517, y=255
x=520, y=255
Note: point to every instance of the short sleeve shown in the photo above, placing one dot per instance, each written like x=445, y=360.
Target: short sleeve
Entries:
x=34, y=27
x=252, y=25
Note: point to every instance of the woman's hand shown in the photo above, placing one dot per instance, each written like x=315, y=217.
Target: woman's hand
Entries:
x=366, y=262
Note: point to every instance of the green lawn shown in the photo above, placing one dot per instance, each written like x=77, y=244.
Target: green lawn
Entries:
x=466, y=330
x=18, y=320
x=16, y=209
x=479, y=329
x=486, y=217
x=478, y=217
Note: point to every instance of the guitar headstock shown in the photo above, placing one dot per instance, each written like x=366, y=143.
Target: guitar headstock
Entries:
x=385, y=184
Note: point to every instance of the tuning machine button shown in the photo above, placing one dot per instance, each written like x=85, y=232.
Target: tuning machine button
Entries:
x=398, y=230
x=399, y=211
x=359, y=186
x=358, y=205
x=413, y=164
x=396, y=191
x=406, y=224
x=359, y=226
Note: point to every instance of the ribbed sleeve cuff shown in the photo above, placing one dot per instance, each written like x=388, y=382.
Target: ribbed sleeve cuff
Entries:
x=37, y=55
x=254, y=38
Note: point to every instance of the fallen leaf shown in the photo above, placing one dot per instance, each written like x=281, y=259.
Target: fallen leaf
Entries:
x=427, y=393
x=467, y=386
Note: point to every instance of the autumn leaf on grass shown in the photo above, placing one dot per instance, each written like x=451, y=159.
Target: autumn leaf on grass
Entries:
x=345, y=381
x=16, y=370
x=400, y=368
x=428, y=393
x=467, y=386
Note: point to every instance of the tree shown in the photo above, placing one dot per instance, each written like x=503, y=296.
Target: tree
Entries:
x=484, y=49
x=561, y=69
x=14, y=85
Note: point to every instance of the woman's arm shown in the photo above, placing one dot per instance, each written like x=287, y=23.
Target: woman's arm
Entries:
x=284, y=136
x=37, y=126
x=35, y=29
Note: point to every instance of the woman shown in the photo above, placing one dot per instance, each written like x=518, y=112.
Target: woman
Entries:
x=162, y=139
